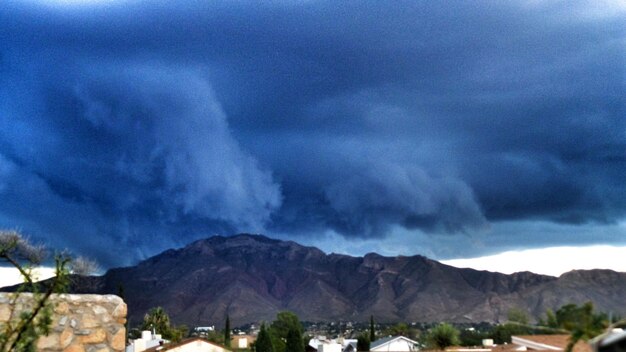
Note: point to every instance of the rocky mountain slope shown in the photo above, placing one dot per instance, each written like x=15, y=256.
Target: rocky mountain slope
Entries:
x=252, y=277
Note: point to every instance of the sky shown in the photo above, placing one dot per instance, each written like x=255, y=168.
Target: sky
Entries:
x=450, y=129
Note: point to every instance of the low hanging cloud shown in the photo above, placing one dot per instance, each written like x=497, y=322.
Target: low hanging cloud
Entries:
x=183, y=142
x=137, y=149
x=370, y=200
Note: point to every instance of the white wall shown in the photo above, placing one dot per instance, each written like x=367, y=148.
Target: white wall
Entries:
x=329, y=347
x=198, y=346
x=242, y=343
x=399, y=345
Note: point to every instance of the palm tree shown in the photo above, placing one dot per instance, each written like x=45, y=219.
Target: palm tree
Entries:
x=585, y=324
x=158, y=320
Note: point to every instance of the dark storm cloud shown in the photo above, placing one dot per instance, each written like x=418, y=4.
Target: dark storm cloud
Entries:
x=133, y=143
x=147, y=125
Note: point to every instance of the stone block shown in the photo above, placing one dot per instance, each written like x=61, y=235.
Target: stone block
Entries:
x=120, y=311
x=118, y=340
x=99, y=310
x=66, y=337
x=88, y=322
x=5, y=313
x=50, y=341
x=62, y=308
x=98, y=348
x=74, y=348
x=97, y=336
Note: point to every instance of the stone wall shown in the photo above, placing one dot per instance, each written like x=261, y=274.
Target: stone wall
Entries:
x=80, y=323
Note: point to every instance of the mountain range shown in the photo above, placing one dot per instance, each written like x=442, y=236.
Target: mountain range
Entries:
x=251, y=277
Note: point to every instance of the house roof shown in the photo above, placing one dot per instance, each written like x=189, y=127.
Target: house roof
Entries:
x=170, y=346
x=382, y=341
x=386, y=340
x=549, y=343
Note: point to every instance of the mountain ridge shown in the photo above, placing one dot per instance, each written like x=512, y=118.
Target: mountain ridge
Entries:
x=251, y=277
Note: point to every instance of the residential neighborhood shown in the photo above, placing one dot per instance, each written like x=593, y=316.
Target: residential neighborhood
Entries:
x=522, y=343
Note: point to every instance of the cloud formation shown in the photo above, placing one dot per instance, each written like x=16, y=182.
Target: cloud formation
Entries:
x=148, y=125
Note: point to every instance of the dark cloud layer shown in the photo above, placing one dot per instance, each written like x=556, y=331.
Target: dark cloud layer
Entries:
x=141, y=125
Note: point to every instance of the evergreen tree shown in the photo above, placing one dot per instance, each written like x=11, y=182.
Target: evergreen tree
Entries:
x=551, y=319
x=372, y=330
x=120, y=290
x=263, y=341
x=227, y=332
x=284, y=322
x=363, y=343
x=280, y=327
x=294, y=341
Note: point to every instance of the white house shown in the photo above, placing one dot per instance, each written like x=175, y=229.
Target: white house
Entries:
x=146, y=341
x=322, y=344
x=394, y=344
x=194, y=344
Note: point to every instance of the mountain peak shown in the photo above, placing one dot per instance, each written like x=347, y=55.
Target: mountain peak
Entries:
x=242, y=239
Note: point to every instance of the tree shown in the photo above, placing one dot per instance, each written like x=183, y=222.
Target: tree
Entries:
x=176, y=333
x=550, y=320
x=25, y=326
x=472, y=337
x=401, y=329
x=442, y=336
x=280, y=327
x=501, y=334
x=363, y=343
x=157, y=320
x=227, y=332
x=582, y=322
x=517, y=315
x=372, y=330
x=263, y=341
x=284, y=322
x=294, y=341
x=572, y=317
x=215, y=337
